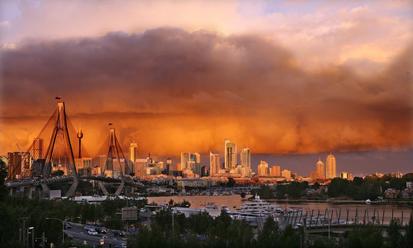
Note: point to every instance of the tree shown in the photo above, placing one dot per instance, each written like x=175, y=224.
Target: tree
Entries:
x=409, y=234
x=395, y=237
x=231, y=182
x=3, y=176
x=269, y=236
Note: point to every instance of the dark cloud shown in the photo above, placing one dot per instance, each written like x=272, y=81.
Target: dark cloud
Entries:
x=197, y=88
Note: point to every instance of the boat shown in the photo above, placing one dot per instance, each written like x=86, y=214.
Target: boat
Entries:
x=255, y=211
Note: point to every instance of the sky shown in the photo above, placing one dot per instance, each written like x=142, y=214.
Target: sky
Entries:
x=281, y=77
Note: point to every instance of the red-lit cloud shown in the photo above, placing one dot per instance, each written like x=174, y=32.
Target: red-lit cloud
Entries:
x=172, y=90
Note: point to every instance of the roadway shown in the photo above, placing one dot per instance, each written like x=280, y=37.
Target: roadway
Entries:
x=79, y=235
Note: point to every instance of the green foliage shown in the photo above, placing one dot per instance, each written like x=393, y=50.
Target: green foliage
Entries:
x=358, y=189
x=291, y=190
x=37, y=213
x=3, y=176
x=265, y=192
x=370, y=237
x=395, y=238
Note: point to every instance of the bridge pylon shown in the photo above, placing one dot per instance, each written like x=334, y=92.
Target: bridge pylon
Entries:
x=59, y=153
x=116, y=162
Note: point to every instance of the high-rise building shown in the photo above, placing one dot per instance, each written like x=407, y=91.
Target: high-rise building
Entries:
x=37, y=149
x=331, y=166
x=286, y=174
x=184, y=160
x=245, y=156
x=189, y=160
x=133, y=152
x=140, y=167
x=320, y=170
x=15, y=160
x=196, y=157
x=275, y=171
x=263, y=168
x=230, y=155
x=214, y=164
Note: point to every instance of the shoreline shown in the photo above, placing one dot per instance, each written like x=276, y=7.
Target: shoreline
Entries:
x=344, y=202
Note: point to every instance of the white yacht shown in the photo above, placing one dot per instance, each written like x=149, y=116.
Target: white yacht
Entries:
x=255, y=211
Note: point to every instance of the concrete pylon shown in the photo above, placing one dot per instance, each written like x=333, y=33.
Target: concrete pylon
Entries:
x=61, y=132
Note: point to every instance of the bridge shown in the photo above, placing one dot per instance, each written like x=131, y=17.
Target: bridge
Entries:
x=58, y=163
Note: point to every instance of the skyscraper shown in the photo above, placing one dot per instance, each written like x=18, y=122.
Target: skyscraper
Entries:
x=263, y=168
x=214, y=164
x=133, y=152
x=245, y=156
x=331, y=166
x=320, y=170
x=37, y=149
x=189, y=160
x=230, y=155
x=275, y=171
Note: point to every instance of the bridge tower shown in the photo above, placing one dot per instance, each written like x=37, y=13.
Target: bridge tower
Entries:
x=60, y=137
x=116, y=161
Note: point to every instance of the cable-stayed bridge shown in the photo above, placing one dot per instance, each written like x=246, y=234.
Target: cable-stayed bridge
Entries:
x=57, y=163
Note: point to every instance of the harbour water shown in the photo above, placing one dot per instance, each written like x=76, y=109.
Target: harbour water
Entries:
x=379, y=212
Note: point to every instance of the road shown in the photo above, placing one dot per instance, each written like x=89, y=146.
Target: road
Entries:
x=78, y=234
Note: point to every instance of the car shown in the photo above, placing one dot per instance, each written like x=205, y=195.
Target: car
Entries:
x=92, y=232
x=102, y=230
x=89, y=227
x=117, y=233
x=68, y=225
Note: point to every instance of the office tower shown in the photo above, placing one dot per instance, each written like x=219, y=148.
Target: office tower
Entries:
x=263, y=168
x=275, y=171
x=14, y=165
x=140, y=165
x=184, y=160
x=320, y=170
x=286, y=174
x=133, y=152
x=37, y=149
x=230, y=155
x=245, y=156
x=196, y=157
x=189, y=160
x=214, y=164
x=331, y=166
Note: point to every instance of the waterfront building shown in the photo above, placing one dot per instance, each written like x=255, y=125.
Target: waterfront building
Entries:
x=230, y=159
x=331, y=166
x=245, y=156
x=263, y=168
x=286, y=174
x=275, y=171
x=214, y=164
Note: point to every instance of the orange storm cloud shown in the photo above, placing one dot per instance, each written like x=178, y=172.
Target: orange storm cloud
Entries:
x=173, y=90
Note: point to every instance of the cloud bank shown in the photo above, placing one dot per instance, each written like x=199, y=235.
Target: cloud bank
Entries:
x=172, y=90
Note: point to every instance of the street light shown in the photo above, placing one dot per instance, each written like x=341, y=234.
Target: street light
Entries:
x=30, y=231
x=63, y=227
